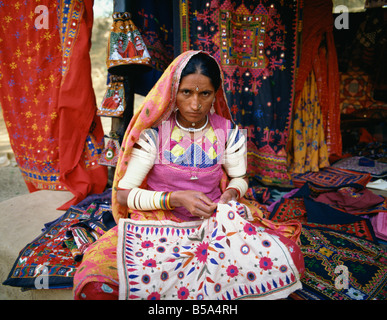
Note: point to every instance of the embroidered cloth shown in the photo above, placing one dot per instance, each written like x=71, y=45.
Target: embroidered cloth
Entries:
x=225, y=257
x=331, y=177
x=376, y=169
x=307, y=147
x=46, y=255
x=57, y=251
x=318, y=55
x=311, y=213
x=255, y=42
x=47, y=97
x=325, y=250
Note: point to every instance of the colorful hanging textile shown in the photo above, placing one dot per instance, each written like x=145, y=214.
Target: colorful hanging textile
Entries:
x=155, y=21
x=318, y=53
x=47, y=97
x=255, y=43
x=307, y=147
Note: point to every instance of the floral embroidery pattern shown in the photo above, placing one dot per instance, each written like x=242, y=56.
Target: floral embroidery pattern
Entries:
x=225, y=257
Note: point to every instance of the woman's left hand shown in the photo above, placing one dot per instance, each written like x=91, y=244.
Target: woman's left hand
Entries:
x=229, y=195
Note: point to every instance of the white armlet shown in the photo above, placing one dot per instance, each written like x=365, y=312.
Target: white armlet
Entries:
x=238, y=184
x=141, y=162
x=235, y=155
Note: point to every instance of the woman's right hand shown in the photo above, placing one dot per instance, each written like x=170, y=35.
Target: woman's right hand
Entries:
x=196, y=202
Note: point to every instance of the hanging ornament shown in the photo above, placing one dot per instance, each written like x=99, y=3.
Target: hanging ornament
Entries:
x=127, y=52
x=113, y=103
x=110, y=153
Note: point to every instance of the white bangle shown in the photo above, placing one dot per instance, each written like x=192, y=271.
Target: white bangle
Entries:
x=146, y=200
x=130, y=200
x=238, y=184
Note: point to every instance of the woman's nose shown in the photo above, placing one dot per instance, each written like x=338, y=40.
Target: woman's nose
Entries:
x=195, y=102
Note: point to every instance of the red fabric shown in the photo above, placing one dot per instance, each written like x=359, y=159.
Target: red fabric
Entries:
x=351, y=202
x=365, y=136
x=47, y=97
x=322, y=60
x=98, y=291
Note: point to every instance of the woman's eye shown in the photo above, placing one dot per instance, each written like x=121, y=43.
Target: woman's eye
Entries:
x=186, y=92
x=205, y=93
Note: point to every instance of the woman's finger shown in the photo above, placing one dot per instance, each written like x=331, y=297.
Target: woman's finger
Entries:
x=206, y=200
x=203, y=210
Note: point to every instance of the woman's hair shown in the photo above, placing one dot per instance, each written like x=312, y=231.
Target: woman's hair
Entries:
x=203, y=64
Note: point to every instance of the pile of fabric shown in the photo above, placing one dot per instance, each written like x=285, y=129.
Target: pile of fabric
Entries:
x=57, y=251
x=341, y=228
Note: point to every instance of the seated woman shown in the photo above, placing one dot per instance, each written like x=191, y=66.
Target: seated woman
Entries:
x=182, y=167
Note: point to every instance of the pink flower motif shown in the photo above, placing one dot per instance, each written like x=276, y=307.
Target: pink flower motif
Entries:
x=232, y=271
x=149, y=263
x=154, y=296
x=183, y=293
x=201, y=252
x=249, y=229
x=147, y=244
x=265, y=263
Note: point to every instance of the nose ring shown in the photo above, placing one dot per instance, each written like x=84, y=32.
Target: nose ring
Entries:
x=199, y=106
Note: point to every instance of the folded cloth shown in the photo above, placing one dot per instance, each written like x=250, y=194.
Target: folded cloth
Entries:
x=351, y=200
x=379, y=223
x=376, y=169
x=379, y=184
x=366, y=162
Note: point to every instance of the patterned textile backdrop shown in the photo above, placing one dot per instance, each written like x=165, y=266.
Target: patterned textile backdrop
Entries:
x=255, y=42
x=155, y=21
x=47, y=97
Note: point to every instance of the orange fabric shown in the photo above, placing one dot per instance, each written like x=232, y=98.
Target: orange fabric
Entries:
x=317, y=28
x=309, y=150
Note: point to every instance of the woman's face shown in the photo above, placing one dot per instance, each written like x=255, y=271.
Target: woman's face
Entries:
x=194, y=99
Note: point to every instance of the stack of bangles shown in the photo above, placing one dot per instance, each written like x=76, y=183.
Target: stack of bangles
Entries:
x=239, y=185
x=141, y=199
